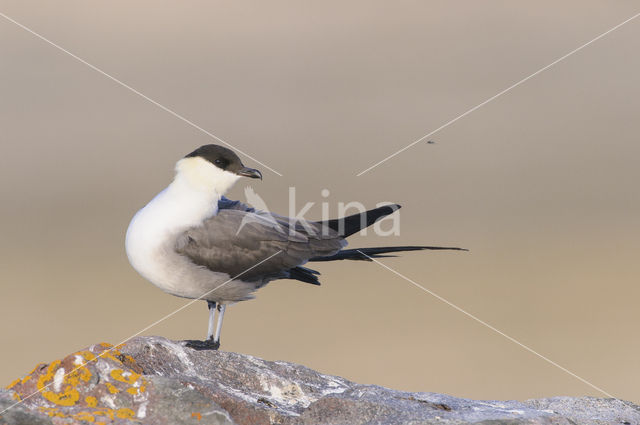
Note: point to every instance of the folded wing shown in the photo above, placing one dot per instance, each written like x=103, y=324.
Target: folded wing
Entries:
x=237, y=239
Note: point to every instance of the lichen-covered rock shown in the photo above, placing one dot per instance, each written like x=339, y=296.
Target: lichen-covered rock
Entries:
x=101, y=385
x=152, y=380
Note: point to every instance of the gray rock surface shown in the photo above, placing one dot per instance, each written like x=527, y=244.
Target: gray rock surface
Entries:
x=152, y=380
x=20, y=414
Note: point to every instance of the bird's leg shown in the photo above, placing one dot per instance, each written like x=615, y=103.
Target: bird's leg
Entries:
x=221, y=309
x=212, y=318
x=210, y=343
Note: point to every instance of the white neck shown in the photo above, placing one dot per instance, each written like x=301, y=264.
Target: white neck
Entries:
x=191, y=198
x=183, y=205
x=202, y=175
x=172, y=211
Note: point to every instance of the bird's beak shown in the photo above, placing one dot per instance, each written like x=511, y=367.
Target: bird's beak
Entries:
x=250, y=172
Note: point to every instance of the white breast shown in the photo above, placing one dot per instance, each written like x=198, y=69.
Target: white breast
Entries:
x=151, y=235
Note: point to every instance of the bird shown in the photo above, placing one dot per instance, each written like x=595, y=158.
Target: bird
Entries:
x=193, y=242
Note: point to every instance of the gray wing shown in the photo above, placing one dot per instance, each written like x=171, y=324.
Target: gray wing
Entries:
x=236, y=239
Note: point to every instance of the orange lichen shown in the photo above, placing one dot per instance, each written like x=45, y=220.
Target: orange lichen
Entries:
x=63, y=382
x=112, y=354
x=53, y=411
x=125, y=413
x=68, y=397
x=112, y=389
x=105, y=345
x=129, y=358
x=103, y=411
x=196, y=415
x=91, y=401
x=128, y=377
x=88, y=355
x=79, y=373
x=49, y=375
x=84, y=416
x=90, y=416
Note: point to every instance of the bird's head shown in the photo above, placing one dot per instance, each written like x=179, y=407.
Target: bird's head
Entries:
x=213, y=168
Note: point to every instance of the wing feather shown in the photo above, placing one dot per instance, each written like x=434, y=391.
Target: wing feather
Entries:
x=238, y=238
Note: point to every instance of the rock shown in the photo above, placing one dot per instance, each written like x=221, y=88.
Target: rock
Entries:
x=152, y=380
x=103, y=385
x=18, y=414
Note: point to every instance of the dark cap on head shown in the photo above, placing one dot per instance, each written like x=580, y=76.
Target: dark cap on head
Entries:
x=225, y=159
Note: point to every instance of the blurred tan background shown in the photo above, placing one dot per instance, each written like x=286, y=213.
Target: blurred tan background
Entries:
x=541, y=184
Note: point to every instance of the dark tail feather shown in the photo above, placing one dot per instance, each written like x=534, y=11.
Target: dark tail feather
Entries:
x=304, y=274
x=366, y=254
x=347, y=226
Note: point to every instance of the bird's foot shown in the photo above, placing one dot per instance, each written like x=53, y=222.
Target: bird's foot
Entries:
x=207, y=344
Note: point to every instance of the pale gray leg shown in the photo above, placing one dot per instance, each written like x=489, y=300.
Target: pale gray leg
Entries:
x=212, y=318
x=209, y=343
x=221, y=309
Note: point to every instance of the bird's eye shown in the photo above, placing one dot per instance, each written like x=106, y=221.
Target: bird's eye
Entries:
x=219, y=162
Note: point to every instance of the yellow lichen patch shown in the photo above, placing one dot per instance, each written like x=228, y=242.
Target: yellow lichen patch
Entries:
x=16, y=396
x=105, y=345
x=143, y=388
x=125, y=413
x=126, y=377
x=53, y=411
x=80, y=373
x=88, y=355
x=91, y=401
x=21, y=381
x=68, y=397
x=104, y=411
x=111, y=388
x=133, y=390
x=111, y=355
x=48, y=376
x=196, y=415
x=84, y=416
x=129, y=362
x=101, y=423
